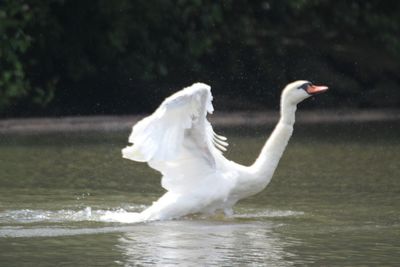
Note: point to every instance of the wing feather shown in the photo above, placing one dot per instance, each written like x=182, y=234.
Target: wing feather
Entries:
x=178, y=140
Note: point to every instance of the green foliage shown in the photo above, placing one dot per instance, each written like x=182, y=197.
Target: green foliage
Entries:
x=14, y=42
x=74, y=57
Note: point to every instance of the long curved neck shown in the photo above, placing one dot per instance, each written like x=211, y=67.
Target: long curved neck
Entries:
x=268, y=160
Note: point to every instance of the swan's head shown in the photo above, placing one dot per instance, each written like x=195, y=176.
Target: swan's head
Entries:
x=297, y=91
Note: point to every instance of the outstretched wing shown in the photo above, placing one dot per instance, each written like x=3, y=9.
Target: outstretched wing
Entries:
x=178, y=140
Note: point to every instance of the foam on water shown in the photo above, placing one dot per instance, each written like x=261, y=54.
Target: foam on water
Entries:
x=269, y=214
x=65, y=215
x=116, y=215
x=33, y=216
x=13, y=221
x=57, y=231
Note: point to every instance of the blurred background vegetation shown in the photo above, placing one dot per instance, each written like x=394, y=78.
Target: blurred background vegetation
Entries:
x=70, y=57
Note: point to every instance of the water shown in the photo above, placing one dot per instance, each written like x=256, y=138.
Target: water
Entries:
x=334, y=200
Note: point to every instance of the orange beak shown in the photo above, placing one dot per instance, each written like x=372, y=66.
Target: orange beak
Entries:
x=316, y=89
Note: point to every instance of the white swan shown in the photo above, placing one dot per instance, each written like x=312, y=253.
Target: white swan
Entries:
x=178, y=141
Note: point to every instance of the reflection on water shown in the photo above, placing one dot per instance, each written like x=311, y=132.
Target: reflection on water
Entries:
x=205, y=243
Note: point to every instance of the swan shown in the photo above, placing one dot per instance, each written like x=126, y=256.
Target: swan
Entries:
x=178, y=141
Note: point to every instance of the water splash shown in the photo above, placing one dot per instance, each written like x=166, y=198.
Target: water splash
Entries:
x=25, y=216
x=121, y=215
x=269, y=214
x=33, y=216
x=34, y=223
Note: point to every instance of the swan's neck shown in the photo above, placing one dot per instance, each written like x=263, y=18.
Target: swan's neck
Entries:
x=268, y=160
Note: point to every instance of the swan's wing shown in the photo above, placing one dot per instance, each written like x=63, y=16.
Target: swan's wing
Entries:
x=178, y=140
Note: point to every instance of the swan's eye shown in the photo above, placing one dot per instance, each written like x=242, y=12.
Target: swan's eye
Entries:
x=305, y=86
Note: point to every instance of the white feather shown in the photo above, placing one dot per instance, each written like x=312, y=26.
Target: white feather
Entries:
x=178, y=141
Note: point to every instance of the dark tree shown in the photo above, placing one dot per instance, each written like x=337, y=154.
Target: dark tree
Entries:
x=61, y=57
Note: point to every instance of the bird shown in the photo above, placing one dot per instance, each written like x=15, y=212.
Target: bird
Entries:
x=178, y=141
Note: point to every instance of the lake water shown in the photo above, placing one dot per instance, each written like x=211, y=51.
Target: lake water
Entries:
x=334, y=200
